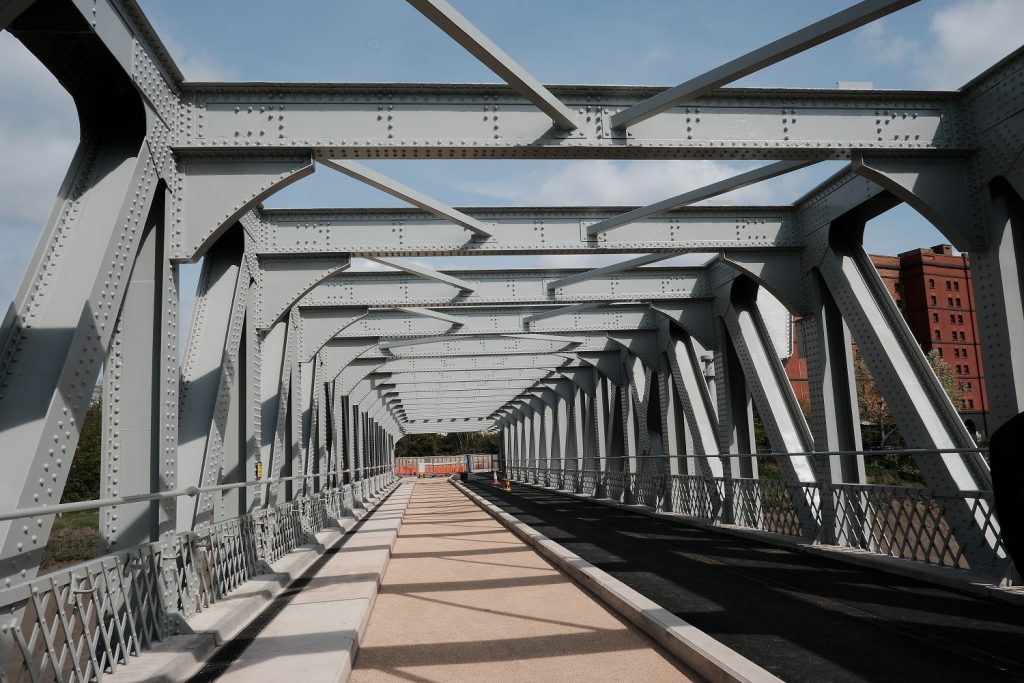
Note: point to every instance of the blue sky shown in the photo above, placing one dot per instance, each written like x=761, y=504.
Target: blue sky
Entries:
x=936, y=44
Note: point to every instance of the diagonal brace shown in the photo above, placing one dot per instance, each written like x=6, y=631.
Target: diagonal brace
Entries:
x=406, y=194
x=701, y=193
x=817, y=33
x=480, y=46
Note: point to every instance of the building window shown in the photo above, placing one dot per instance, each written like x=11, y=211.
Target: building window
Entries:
x=937, y=335
x=940, y=352
x=970, y=403
x=960, y=319
x=949, y=301
x=958, y=302
x=963, y=351
x=949, y=285
x=967, y=369
x=967, y=386
x=952, y=319
x=956, y=285
x=962, y=338
x=931, y=284
x=956, y=352
x=935, y=317
x=958, y=370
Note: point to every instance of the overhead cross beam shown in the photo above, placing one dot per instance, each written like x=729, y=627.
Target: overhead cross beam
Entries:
x=480, y=46
x=817, y=33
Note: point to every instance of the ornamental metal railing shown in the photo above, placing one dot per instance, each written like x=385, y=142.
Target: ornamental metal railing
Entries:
x=905, y=522
x=85, y=621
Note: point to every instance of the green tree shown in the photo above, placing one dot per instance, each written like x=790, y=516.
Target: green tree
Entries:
x=875, y=410
x=84, y=475
x=451, y=443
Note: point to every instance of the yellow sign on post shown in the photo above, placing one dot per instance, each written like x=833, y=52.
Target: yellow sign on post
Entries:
x=259, y=469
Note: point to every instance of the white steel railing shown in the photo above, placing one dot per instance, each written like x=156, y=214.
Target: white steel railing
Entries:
x=906, y=522
x=82, y=622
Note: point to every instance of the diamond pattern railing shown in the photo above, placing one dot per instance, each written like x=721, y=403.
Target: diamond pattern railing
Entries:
x=903, y=522
x=83, y=622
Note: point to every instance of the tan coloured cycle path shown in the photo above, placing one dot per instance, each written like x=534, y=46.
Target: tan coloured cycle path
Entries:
x=465, y=600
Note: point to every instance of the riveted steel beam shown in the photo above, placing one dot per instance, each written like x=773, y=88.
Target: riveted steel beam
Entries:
x=509, y=287
x=521, y=230
x=388, y=121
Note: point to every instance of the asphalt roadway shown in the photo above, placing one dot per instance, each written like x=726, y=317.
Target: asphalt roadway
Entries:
x=802, y=617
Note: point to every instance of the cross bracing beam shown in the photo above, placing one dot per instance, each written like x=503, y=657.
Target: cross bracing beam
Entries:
x=423, y=271
x=478, y=384
x=430, y=313
x=480, y=46
x=407, y=194
x=479, y=362
x=492, y=321
x=698, y=195
x=455, y=346
x=510, y=287
x=388, y=120
x=418, y=378
x=817, y=33
x=611, y=269
x=517, y=230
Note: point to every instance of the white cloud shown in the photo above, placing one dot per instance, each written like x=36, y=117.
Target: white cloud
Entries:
x=965, y=37
x=38, y=136
x=972, y=35
x=198, y=66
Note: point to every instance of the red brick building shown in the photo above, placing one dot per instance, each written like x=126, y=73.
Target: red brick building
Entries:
x=933, y=290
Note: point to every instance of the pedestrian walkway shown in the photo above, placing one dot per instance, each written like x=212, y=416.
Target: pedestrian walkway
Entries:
x=311, y=632
x=465, y=600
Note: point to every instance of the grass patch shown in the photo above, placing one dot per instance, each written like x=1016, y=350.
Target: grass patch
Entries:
x=74, y=538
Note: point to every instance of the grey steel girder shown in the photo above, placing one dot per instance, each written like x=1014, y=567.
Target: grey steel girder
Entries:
x=392, y=120
x=460, y=363
x=495, y=321
x=519, y=230
x=374, y=289
x=168, y=172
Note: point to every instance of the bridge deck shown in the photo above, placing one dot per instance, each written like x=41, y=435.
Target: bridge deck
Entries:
x=464, y=599
x=803, y=618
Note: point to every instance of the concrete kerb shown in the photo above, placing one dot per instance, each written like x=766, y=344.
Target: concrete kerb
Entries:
x=178, y=657
x=693, y=647
x=335, y=613
x=961, y=580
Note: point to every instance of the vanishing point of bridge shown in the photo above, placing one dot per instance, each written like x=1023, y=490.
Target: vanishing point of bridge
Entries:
x=248, y=488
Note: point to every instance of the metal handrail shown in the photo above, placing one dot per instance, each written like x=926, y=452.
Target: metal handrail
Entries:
x=893, y=451
x=191, y=491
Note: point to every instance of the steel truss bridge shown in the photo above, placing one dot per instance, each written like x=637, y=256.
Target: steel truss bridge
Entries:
x=637, y=384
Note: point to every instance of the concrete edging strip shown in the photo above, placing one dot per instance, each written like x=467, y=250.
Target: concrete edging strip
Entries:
x=178, y=657
x=693, y=647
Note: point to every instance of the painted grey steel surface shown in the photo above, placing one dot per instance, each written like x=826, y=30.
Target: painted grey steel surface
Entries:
x=639, y=384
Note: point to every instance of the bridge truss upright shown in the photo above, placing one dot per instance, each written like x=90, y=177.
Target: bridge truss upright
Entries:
x=637, y=383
